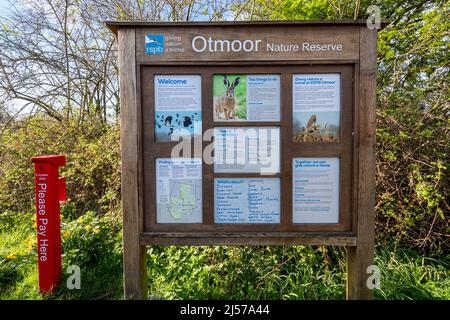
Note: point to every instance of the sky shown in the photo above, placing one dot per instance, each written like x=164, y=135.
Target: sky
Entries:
x=4, y=6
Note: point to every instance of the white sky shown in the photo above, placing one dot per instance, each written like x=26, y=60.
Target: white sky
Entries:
x=4, y=5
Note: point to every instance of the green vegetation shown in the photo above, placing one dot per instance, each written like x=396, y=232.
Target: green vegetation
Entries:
x=91, y=238
x=94, y=244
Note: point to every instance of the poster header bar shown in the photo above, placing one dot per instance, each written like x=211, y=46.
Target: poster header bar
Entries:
x=246, y=43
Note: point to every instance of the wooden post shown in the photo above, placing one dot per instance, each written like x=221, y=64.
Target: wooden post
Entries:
x=134, y=260
x=361, y=256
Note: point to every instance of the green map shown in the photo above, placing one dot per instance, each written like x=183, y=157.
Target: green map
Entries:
x=184, y=202
x=179, y=190
x=182, y=199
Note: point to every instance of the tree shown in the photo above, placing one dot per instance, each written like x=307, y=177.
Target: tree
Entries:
x=413, y=107
x=4, y=116
x=58, y=60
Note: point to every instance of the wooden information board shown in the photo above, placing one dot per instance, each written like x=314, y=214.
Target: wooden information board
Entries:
x=273, y=125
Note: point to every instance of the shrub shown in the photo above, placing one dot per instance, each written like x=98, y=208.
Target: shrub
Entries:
x=93, y=162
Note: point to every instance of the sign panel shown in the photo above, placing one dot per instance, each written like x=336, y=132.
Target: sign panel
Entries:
x=246, y=200
x=246, y=43
x=315, y=190
x=246, y=97
x=316, y=106
x=178, y=190
x=247, y=150
x=50, y=191
x=324, y=167
x=178, y=107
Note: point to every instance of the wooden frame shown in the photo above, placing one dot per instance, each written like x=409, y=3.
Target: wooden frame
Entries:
x=153, y=150
x=357, y=66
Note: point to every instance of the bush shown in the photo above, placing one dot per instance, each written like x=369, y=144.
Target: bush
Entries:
x=413, y=184
x=93, y=163
x=413, y=149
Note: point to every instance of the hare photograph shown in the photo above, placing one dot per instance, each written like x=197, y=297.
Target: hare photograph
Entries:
x=230, y=97
x=249, y=97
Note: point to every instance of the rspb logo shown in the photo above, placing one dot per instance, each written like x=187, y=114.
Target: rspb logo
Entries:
x=154, y=44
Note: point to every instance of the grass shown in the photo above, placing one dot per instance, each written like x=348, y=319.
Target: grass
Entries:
x=407, y=275
x=297, y=272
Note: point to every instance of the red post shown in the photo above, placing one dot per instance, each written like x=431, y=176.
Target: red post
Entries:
x=50, y=192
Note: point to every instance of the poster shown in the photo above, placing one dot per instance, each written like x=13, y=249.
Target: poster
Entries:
x=178, y=106
x=316, y=107
x=247, y=150
x=246, y=97
x=315, y=190
x=178, y=190
x=242, y=200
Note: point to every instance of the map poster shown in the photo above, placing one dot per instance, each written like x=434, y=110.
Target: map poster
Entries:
x=315, y=190
x=178, y=106
x=178, y=190
x=247, y=150
x=246, y=97
x=316, y=107
x=247, y=200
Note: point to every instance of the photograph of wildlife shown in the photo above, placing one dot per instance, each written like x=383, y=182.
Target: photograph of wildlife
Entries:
x=316, y=126
x=230, y=97
x=171, y=125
